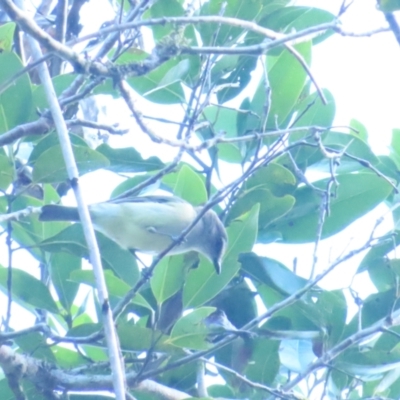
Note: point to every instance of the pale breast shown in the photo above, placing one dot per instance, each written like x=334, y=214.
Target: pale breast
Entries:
x=147, y=227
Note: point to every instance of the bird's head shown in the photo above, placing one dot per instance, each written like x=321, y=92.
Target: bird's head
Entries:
x=214, y=242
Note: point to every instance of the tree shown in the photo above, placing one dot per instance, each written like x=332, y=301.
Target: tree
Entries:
x=163, y=329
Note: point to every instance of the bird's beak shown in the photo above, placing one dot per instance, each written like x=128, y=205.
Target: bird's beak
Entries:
x=217, y=266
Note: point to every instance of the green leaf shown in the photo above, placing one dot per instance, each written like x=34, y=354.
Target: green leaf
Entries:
x=5, y=390
x=296, y=355
x=238, y=302
x=84, y=329
x=144, y=338
x=190, y=330
x=375, y=308
x=271, y=207
x=331, y=313
x=356, y=195
x=130, y=183
x=278, y=179
x=235, y=81
x=162, y=9
x=222, y=119
x=128, y=160
x=220, y=391
x=6, y=171
x=39, y=98
x=61, y=267
x=202, y=284
x=190, y=186
x=286, y=79
x=246, y=120
x=35, y=343
x=27, y=231
x=377, y=253
x=16, y=100
x=271, y=273
x=90, y=396
x=115, y=286
x=28, y=289
x=270, y=187
x=176, y=73
x=311, y=111
x=367, y=363
x=50, y=166
x=395, y=144
x=67, y=358
x=168, y=277
x=395, y=147
x=388, y=167
x=71, y=240
x=264, y=363
x=223, y=34
x=151, y=87
x=48, y=141
x=389, y=6
x=229, y=152
x=358, y=130
x=289, y=19
x=357, y=153
x=7, y=36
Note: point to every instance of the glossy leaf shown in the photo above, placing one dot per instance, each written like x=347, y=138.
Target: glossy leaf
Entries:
x=190, y=186
x=296, y=355
x=128, y=160
x=229, y=152
x=164, y=9
x=151, y=87
x=168, y=277
x=287, y=19
x=223, y=120
x=6, y=171
x=312, y=111
x=265, y=363
x=49, y=141
x=271, y=273
x=190, y=331
x=271, y=187
x=50, y=166
x=34, y=342
x=18, y=93
x=144, y=338
x=115, y=286
x=61, y=267
x=356, y=195
x=39, y=99
x=71, y=240
x=29, y=290
x=6, y=36
x=226, y=33
x=389, y=6
x=286, y=79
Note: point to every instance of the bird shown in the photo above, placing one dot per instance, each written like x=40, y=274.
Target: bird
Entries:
x=150, y=224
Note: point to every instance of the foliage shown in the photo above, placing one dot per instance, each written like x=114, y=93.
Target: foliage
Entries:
x=277, y=329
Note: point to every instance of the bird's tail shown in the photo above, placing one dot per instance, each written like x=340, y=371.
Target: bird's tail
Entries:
x=52, y=212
